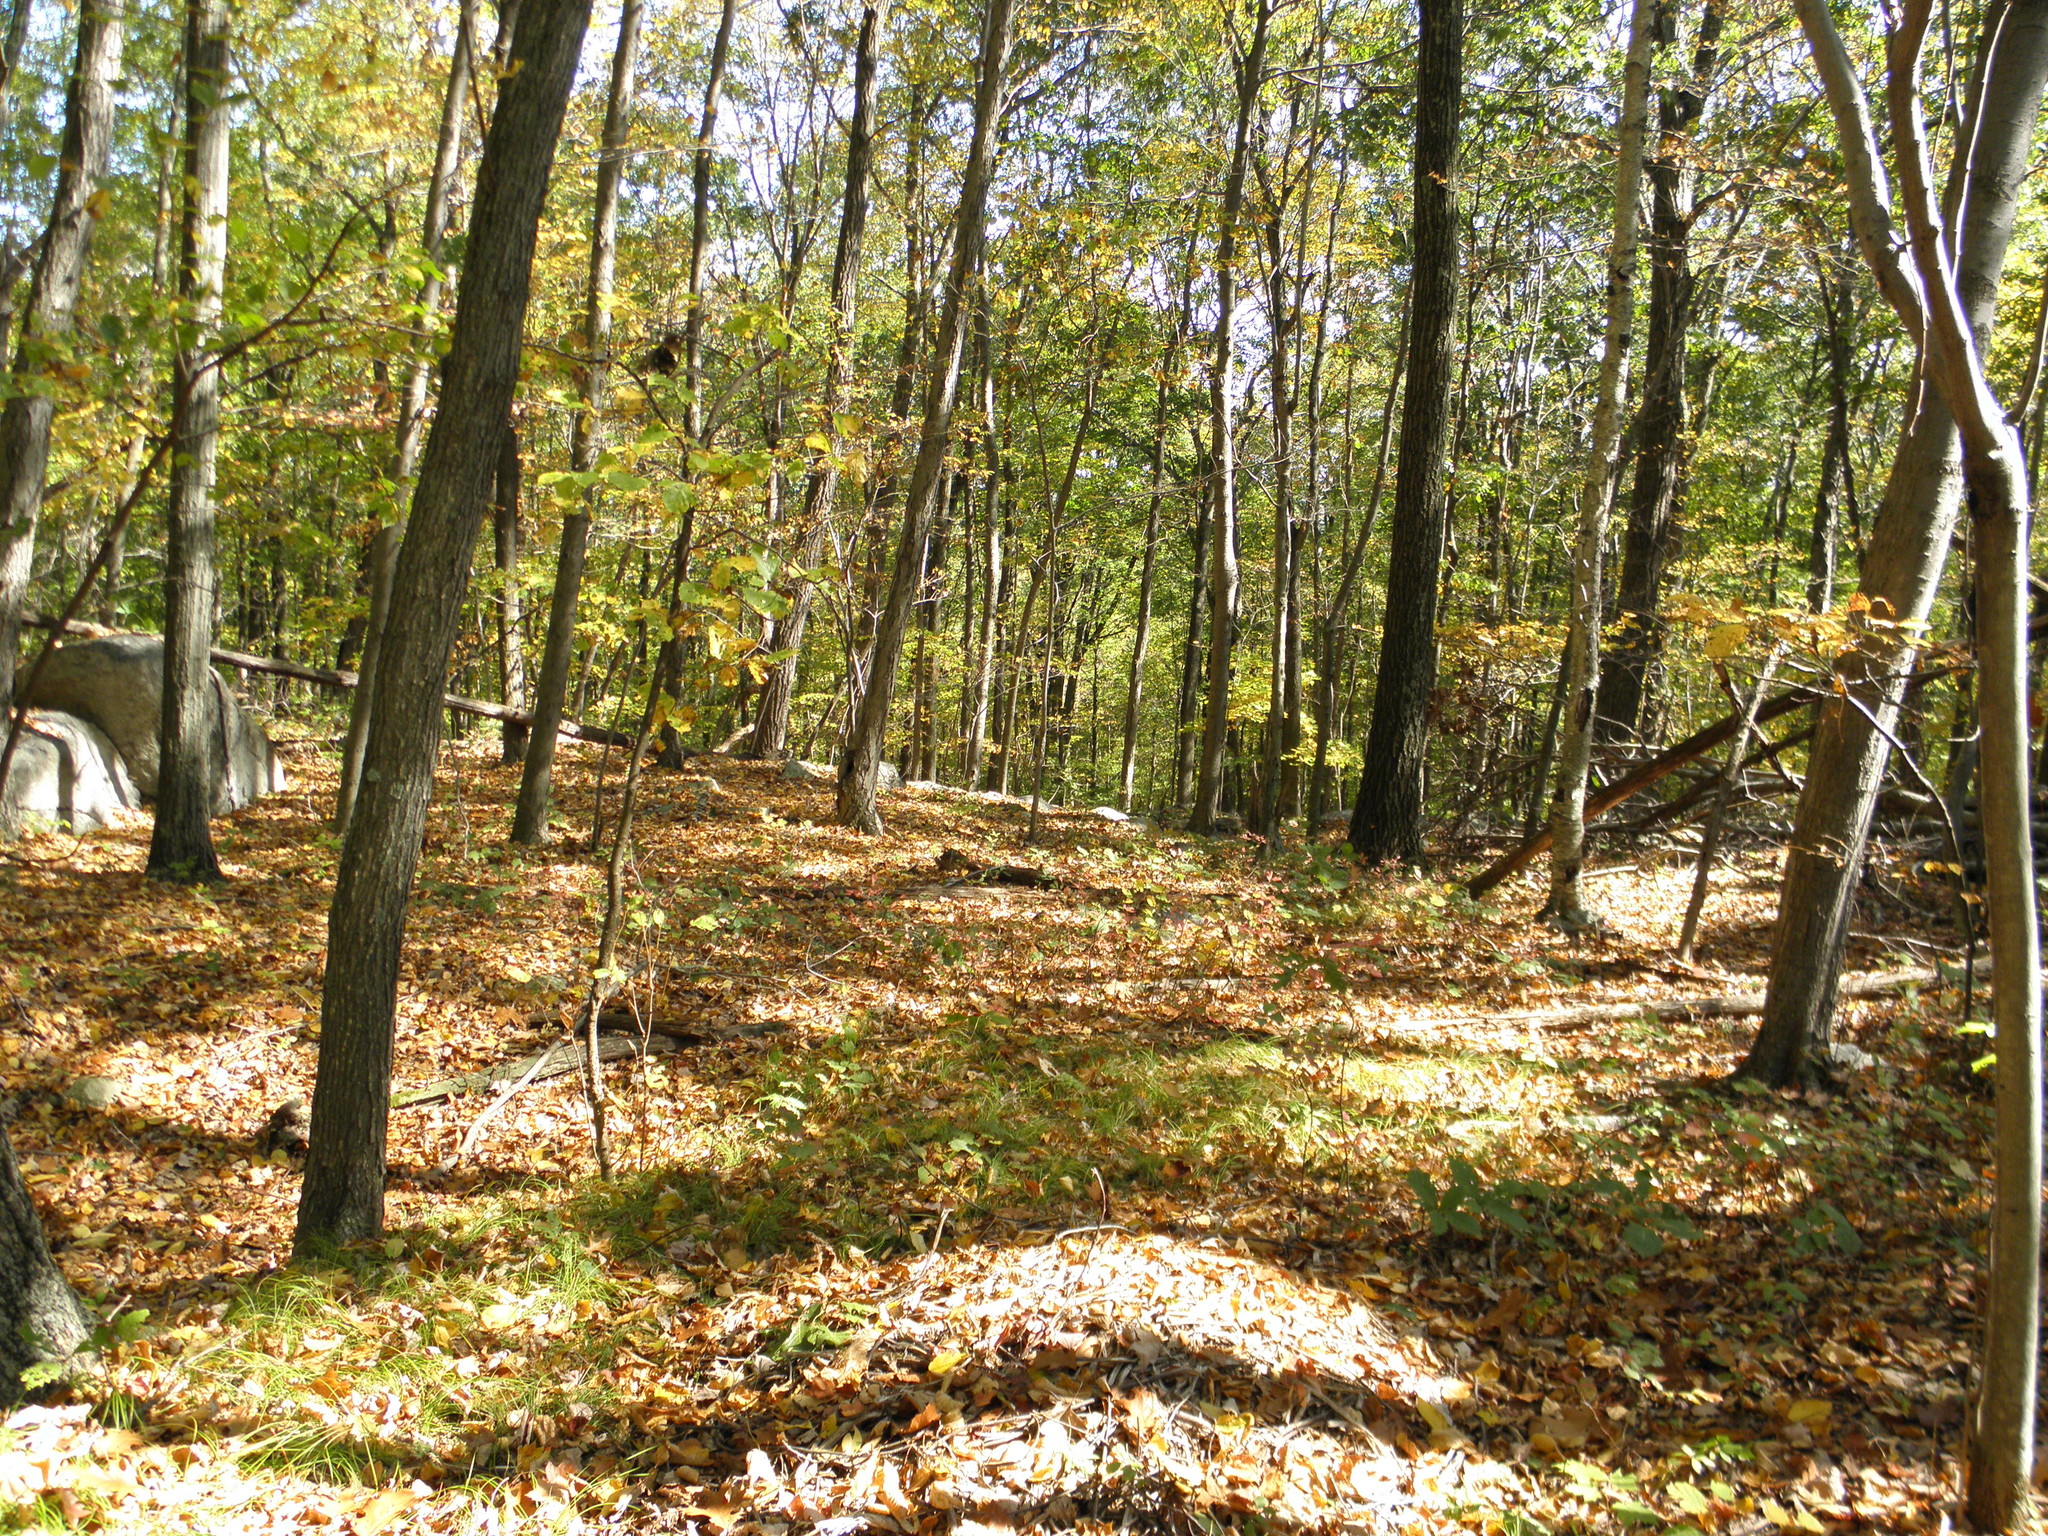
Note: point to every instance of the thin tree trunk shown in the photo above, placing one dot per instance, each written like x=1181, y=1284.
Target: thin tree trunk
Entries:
x=1656, y=506
x=181, y=843
x=1386, y=821
x=1133, y=696
x=995, y=580
x=343, y=1195
x=859, y=776
x=1710, y=835
x=511, y=658
x=52, y=301
x=771, y=726
x=412, y=413
x=1223, y=573
x=1565, y=906
x=586, y=442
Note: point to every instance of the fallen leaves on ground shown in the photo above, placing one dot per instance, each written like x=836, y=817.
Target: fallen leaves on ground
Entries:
x=1188, y=1192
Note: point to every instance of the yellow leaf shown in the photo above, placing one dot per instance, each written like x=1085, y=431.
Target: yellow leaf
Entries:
x=383, y=1509
x=1774, y=1512
x=1808, y=1410
x=1725, y=640
x=819, y=441
x=946, y=1361
x=1438, y=1421
x=501, y=1315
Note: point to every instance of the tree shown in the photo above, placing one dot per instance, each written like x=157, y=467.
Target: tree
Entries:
x=1223, y=572
x=771, y=721
x=181, y=843
x=52, y=303
x=1565, y=908
x=1657, y=501
x=860, y=774
x=412, y=411
x=42, y=1321
x=1910, y=534
x=1386, y=821
x=1930, y=301
x=551, y=688
x=343, y=1195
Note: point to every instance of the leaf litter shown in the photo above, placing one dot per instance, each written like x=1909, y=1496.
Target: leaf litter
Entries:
x=1182, y=1193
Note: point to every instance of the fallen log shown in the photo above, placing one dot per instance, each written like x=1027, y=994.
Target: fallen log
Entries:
x=1665, y=763
x=567, y=1055
x=329, y=677
x=1727, y=1005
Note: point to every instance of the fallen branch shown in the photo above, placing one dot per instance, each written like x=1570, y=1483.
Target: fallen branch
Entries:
x=329, y=677
x=565, y=1056
x=1727, y=1005
x=1665, y=763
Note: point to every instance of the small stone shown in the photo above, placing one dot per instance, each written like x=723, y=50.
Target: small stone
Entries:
x=797, y=771
x=1109, y=813
x=96, y=1092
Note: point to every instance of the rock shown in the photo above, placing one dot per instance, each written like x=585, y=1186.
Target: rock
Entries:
x=1851, y=1058
x=886, y=777
x=116, y=682
x=95, y=1092
x=1229, y=824
x=1109, y=813
x=797, y=771
x=65, y=769
x=289, y=1130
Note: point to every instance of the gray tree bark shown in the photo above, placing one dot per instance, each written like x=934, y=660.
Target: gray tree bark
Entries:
x=860, y=773
x=343, y=1195
x=41, y=1317
x=181, y=843
x=551, y=688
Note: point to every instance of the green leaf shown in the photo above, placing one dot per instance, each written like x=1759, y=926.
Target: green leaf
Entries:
x=1642, y=1239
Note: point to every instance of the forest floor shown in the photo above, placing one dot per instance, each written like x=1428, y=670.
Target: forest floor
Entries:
x=1104, y=1206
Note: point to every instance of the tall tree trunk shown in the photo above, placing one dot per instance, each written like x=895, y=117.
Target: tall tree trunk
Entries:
x=52, y=301
x=343, y=1195
x=861, y=772
x=1582, y=640
x=511, y=655
x=1188, y=709
x=771, y=725
x=1386, y=821
x=1133, y=696
x=1223, y=575
x=1909, y=539
x=536, y=779
x=1663, y=447
x=181, y=843
x=995, y=579
x=412, y=413
x=1837, y=489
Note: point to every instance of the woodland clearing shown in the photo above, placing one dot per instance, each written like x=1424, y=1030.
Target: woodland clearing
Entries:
x=1099, y=1207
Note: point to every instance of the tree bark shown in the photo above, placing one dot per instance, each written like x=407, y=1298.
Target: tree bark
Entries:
x=343, y=1194
x=181, y=843
x=1386, y=821
x=1663, y=447
x=52, y=302
x=513, y=735
x=771, y=725
x=1909, y=540
x=1565, y=906
x=1223, y=574
x=859, y=775
x=41, y=1318
x=412, y=413
x=1134, y=695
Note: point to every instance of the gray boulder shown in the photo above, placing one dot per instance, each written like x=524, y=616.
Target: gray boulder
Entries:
x=117, y=683
x=797, y=771
x=886, y=777
x=65, y=769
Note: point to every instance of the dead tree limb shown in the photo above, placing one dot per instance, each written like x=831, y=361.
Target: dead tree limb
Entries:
x=1667, y=762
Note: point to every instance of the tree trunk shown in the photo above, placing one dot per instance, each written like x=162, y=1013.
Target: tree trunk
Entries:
x=1909, y=540
x=1386, y=821
x=181, y=844
x=1662, y=444
x=1223, y=574
x=995, y=580
x=1134, y=695
x=1836, y=490
x=511, y=656
x=1565, y=906
x=771, y=726
x=536, y=779
x=412, y=413
x=860, y=774
x=52, y=300
x=343, y=1194
x=41, y=1318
